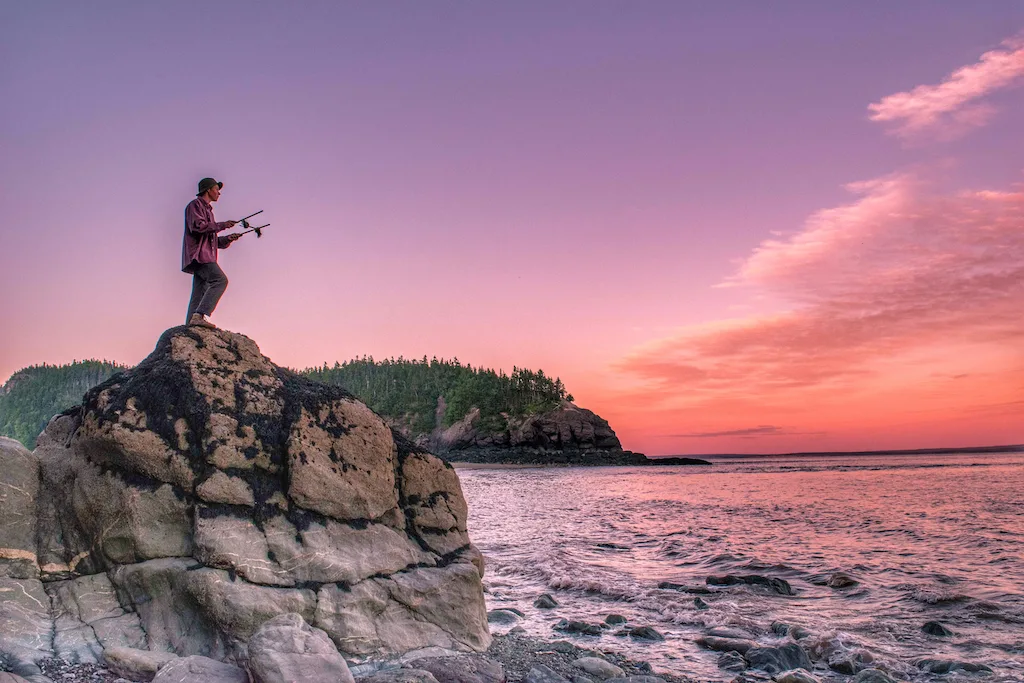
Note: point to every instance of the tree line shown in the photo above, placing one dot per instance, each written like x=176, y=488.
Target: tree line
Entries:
x=402, y=390
x=35, y=394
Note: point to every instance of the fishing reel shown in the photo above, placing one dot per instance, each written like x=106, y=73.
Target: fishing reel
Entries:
x=258, y=229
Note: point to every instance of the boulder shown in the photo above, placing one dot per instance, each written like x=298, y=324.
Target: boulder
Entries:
x=540, y=673
x=545, y=601
x=598, y=668
x=206, y=491
x=732, y=661
x=778, y=659
x=796, y=676
x=945, y=666
x=936, y=628
x=287, y=649
x=719, y=644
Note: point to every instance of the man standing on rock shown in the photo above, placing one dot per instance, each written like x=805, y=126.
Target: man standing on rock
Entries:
x=199, y=253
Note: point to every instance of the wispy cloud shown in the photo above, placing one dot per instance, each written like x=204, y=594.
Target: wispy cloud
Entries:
x=899, y=274
x=763, y=430
x=953, y=106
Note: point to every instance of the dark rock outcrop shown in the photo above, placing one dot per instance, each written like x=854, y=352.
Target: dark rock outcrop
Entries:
x=206, y=491
x=568, y=435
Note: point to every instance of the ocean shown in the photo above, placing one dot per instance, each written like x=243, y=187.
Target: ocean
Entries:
x=922, y=537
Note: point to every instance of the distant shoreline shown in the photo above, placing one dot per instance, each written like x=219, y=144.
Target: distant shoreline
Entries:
x=1016, y=448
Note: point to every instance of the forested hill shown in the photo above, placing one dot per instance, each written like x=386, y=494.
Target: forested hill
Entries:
x=405, y=391
x=35, y=394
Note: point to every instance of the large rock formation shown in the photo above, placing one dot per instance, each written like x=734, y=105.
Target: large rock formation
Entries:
x=206, y=491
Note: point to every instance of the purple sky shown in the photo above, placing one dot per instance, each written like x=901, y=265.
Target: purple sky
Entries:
x=557, y=185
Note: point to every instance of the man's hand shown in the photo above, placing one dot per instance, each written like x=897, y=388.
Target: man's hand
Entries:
x=232, y=224
x=235, y=237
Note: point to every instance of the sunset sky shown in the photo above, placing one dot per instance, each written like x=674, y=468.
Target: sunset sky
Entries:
x=728, y=227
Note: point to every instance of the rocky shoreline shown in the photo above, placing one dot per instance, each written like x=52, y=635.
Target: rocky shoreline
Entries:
x=516, y=655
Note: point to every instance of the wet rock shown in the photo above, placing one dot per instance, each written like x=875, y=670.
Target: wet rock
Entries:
x=645, y=633
x=778, y=659
x=197, y=668
x=502, y=617
x=778, y=585
x=945, y=666
x=399, y=676
x=461, y=669
x=135, y=664
x=796, y=676
x=598, y=668
x=700, y=604
x=729, y=632
x=740, y=645
x=545, y=601
x=544, y=674
x=841, y=580
x=683, y=588
x=936, y=628
x=563, y=646
x=581, y=627
x=286, y=649
x=615, y=619
x=732, y=661
x=635, y=679
x=850, y=663
x=873, y=676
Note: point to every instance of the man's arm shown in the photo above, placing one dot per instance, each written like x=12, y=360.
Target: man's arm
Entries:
x=197, y=222
x=225, y=241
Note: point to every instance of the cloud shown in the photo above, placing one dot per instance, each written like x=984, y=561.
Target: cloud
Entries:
x=899, y=278
x=952, y=107
x=763, y=430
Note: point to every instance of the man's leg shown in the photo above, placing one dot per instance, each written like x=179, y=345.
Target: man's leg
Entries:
x=198, y=290
x=215, y=283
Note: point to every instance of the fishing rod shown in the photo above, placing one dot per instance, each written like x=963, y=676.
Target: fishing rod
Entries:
x=258, y=229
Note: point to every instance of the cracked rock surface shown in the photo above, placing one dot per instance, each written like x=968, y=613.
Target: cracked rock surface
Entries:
x=206, y=491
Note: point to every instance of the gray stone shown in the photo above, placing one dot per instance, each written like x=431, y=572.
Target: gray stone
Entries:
x=732, y=661
x=502, y=617
x=635, y=679
x=598, y=668
x=729, y=632
x=135, y=664
x=936, y=628
x=545, y=601
x=196, y=668
x=581, y=627
x=19, y=489
x=645, y=633
x=615, y=619
x=778, y=659
x=88, y=618
x=700, y=604
x=287, y=649
x=740, y=645
x=24, y=615
x=544, y=674
x=873, y=676
x=945, y=666
x=849, y=663
x=462, y=669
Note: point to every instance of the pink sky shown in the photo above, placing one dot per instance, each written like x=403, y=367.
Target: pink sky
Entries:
x=727, y=228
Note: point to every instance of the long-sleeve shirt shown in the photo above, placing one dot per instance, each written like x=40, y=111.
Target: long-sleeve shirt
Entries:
x=201, y=241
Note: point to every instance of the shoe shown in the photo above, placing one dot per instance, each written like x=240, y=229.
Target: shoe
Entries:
x=199, y=320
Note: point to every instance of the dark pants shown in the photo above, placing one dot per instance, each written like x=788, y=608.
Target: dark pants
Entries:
x=208, y=285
